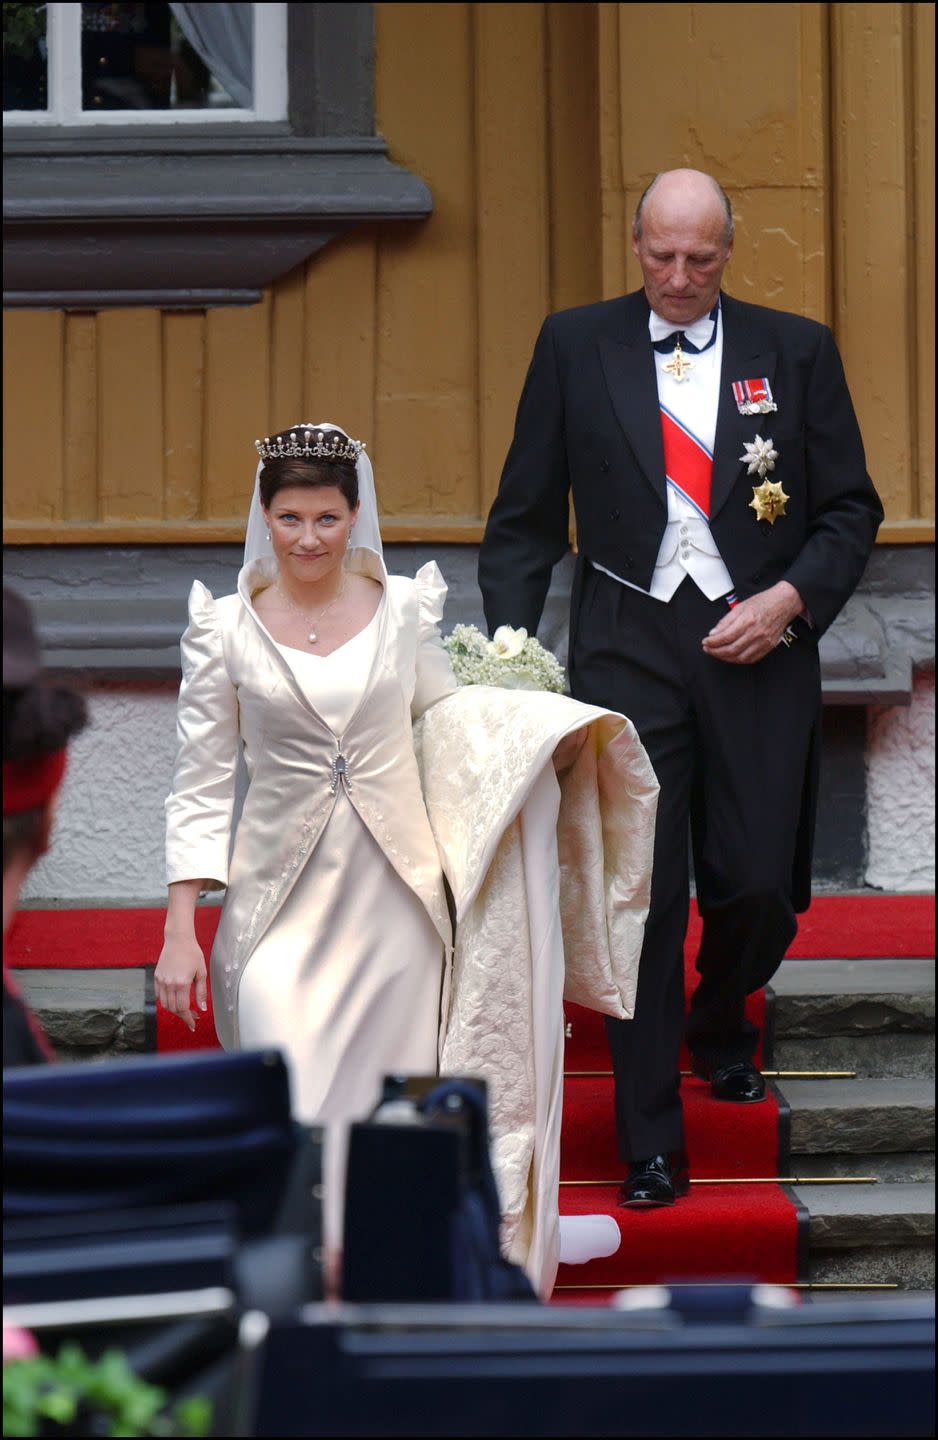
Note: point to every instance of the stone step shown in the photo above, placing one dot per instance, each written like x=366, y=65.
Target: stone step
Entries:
x=816, y=999
x=872, y=1234
x=860, y=1117
x=878, y=1233
x=906, y=1056
x=88, y=1014
x=823, y=1010
x=887, y=1304
x=907, y=1166
x=874, y=1017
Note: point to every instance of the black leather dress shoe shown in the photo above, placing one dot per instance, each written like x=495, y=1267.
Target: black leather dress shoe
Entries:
x=654, y=1182
x=740, y=1082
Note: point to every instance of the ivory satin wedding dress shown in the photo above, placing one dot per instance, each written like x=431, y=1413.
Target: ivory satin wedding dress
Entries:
x=371, y=773
x=333, y=933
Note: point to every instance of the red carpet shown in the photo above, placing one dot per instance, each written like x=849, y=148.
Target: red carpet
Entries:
x=719, y=1232
x=873, y=927
x=589, y=1032
x=111, y=939
x=95, y=939
x=847, y=926
x=723, y=1233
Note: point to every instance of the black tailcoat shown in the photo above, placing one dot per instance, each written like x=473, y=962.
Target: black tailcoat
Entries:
x=736, y=748
x=588, y=425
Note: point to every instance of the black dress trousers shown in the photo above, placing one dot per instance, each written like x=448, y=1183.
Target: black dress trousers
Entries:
x=731, y=746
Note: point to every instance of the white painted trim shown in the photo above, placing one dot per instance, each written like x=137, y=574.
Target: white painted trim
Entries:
x=270, y=61
x=66, y=98
x=63, y=37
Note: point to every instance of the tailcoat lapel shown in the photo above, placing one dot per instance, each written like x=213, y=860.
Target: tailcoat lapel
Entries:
x=628, y=363
x=743, y=359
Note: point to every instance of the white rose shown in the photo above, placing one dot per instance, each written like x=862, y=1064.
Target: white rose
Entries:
x=506, y=643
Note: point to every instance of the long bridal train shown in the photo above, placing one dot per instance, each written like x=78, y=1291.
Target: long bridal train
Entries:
x=551, y=884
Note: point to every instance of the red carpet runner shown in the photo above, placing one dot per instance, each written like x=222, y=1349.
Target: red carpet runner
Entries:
x=719, y=1232
x=841, y=926
x=895, y=927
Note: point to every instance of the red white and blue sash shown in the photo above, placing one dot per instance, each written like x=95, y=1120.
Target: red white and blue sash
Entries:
x=688, y=464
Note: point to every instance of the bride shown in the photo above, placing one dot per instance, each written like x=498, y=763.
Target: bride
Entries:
x=334, y=943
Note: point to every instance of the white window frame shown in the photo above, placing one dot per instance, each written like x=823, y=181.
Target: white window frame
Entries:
x=63, y=40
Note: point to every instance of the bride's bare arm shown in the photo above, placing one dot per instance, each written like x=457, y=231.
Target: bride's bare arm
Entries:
x=181, y=964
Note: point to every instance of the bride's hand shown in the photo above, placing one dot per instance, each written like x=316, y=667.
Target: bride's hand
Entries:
x=180, y=966
x=567, y=752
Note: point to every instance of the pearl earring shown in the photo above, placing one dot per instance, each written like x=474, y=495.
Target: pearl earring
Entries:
x=268, y=534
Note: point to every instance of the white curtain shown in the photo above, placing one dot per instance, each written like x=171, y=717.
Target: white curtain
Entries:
x=223, y=37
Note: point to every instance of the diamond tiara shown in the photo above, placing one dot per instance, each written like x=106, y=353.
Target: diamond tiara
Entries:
x=308, y=443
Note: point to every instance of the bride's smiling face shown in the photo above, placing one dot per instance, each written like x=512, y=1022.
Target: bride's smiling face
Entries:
x=309, y=530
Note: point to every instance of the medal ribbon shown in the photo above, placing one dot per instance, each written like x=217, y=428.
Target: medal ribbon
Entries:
x=752, y=391
x=688, y=464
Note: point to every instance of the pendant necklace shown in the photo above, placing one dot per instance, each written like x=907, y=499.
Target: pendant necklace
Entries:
x=313, y=621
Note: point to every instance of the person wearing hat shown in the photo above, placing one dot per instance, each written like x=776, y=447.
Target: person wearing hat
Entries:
x=38, y=722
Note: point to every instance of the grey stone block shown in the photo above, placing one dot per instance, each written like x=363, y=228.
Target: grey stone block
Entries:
x=854, y=997
x=847, y=1216
x=906, y=570
x=909, y=1056
x=855, y=977
x=88, y=1012
x=907, y=1167
x=860, y=1116
x=878, y=1300
x=823, y=1015
x=911, y=1267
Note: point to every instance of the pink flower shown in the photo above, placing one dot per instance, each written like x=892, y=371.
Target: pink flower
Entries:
x=18, y=1344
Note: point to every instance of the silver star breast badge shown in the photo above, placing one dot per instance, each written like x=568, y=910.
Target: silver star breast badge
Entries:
x=759, y=456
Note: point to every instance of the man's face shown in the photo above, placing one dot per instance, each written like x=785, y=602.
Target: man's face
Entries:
x=683, y=253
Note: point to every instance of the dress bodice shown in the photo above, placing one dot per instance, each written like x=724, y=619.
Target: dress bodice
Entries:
x=334, y=683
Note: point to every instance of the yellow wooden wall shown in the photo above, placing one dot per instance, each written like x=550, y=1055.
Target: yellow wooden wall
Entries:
x=536, y=126
x=818, y=121
x=135, y=425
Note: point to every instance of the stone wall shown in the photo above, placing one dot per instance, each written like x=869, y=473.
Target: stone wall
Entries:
x=900, y=764
x=108, y=841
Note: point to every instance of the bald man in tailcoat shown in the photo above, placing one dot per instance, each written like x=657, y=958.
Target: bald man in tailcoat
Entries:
x=724, y=515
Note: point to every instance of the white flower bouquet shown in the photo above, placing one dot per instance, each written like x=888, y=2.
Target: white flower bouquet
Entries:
x=512, y=659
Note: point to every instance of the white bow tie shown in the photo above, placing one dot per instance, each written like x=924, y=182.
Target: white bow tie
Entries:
x=698, y=333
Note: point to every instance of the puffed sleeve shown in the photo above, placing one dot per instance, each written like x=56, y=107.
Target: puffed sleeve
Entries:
x=435, y=678
x=199, y=809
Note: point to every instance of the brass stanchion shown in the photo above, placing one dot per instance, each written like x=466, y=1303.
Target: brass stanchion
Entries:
x=769, y=1074
x=760, y=1180
x=724, y=1284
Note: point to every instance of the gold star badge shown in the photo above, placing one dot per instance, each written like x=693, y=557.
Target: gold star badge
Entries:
x=769, y=500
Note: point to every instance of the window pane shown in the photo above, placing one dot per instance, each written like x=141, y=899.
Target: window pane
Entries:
x=136, y=57
x=24, y=58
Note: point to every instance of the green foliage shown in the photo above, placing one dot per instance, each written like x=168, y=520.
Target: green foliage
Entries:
x=60, y=1390
x=23, y=26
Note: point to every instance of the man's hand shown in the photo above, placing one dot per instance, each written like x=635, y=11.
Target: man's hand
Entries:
x=755, y=626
